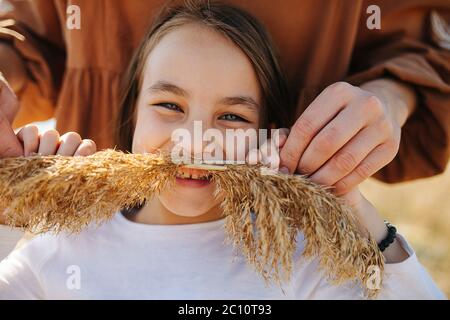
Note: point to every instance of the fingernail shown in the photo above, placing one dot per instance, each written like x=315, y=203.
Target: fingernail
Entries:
x=284, y=170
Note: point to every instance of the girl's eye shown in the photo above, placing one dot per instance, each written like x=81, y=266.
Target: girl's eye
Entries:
x=232, y=117
x=170, y=106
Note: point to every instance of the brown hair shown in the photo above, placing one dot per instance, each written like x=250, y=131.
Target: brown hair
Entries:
x=237, y=25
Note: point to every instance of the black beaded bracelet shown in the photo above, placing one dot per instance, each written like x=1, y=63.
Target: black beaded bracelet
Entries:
x=392, y=234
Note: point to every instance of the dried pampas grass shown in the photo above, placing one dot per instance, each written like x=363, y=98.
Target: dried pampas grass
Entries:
x=56, y=193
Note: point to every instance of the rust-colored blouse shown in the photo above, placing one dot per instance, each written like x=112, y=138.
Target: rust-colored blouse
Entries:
x=320, y=42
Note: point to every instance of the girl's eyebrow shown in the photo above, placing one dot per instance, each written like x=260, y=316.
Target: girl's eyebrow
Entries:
x=242, y=100
x=168, y=87
x=165, y=86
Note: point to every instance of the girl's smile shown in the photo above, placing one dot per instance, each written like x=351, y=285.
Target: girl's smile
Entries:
x=192, y=183
x=193, y=178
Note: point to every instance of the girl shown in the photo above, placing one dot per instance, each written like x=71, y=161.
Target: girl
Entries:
x=215, y=64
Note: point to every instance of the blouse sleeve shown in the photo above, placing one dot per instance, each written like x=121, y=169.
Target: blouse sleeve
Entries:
x=33, y=30
x=408, y=279
x=412, y=46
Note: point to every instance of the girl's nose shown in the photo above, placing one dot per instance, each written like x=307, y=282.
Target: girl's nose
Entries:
x=199, y=141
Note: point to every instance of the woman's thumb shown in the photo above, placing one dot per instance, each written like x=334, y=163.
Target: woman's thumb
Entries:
x=10, y=146
x=9, y=104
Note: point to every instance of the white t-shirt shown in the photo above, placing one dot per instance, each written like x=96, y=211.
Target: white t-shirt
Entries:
x=122, y=259
x=9, y=238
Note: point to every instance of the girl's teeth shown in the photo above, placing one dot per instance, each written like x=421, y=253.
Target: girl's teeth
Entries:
x=187, y=175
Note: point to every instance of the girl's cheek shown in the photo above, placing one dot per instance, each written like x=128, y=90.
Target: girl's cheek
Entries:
x=150, y=134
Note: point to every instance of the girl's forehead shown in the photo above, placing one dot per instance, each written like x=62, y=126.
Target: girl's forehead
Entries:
x=198, y=57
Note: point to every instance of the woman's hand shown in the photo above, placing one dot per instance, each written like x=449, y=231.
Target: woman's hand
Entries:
x=369, y=220
x=269, y=151
x=50, y=143
x=9, y=105
x=348, y=133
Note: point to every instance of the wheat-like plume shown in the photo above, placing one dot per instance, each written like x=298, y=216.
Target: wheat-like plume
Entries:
x=58, y=193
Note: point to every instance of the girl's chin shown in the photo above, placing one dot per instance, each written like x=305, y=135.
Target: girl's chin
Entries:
x=192, y=189
x=189, y=201
x=187, y=211
x=190, y=196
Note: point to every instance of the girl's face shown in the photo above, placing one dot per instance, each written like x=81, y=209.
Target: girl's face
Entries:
x=194, y=74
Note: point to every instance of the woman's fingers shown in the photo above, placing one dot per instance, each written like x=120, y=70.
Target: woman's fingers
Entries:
x=29, y=136
x=69, y=144
x=349, y=156
x=377, y=159
x=338, y=132
x=321, y=111
x=86, y=148
x=270, y=149
x=270, y=155
x=253, y=157
x=282, y=136
x=268, y=152
x=49, y=142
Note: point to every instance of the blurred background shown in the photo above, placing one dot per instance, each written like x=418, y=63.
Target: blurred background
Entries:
x=421, y=212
